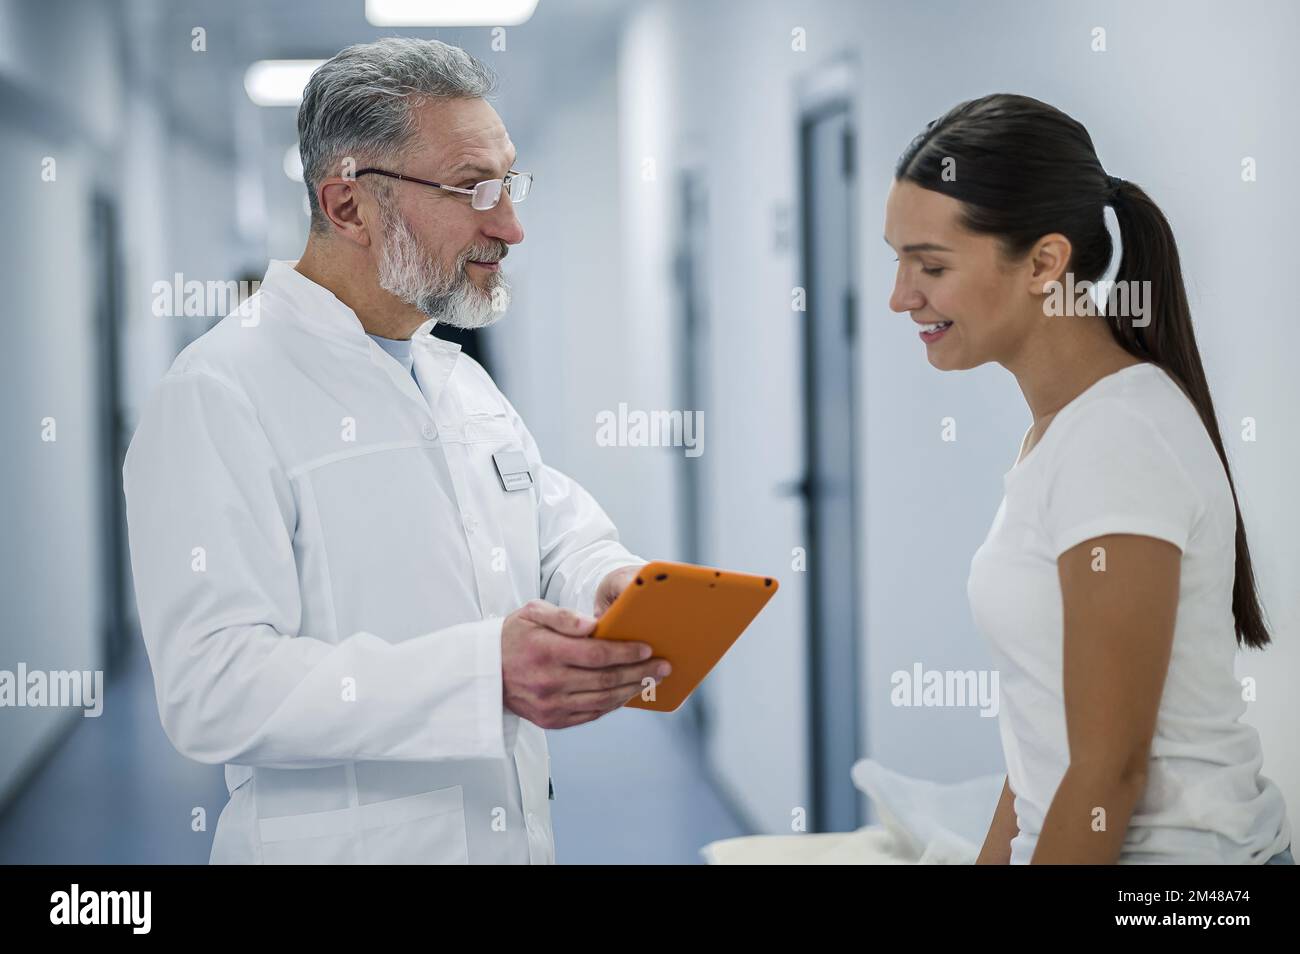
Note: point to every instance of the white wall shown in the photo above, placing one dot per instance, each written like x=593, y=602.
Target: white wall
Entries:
x=49, y=558
x=49, y=574
x=573, y=343
x=108, y=130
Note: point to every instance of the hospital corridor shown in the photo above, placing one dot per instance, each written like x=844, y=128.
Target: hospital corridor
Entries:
x=380, y=373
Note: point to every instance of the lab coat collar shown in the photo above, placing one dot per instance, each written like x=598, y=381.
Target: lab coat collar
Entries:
x=321, y=311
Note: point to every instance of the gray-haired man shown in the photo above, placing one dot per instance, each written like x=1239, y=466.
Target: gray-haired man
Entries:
x=361, y=588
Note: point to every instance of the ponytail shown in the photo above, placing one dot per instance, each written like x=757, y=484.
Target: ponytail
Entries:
x=1168, y=340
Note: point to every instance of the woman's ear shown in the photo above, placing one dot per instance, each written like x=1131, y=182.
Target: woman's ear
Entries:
x=1049, y=260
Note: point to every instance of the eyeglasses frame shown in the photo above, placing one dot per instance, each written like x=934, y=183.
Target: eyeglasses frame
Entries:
x=504, y=180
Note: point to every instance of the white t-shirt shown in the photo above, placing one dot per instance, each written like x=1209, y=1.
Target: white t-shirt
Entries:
x=1128, y=455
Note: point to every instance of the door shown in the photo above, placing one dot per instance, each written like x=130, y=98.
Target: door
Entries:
x=118, y=629
x=690, y=270
x=830, y=462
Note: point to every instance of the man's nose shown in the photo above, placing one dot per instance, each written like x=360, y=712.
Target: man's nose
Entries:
x=502, y=223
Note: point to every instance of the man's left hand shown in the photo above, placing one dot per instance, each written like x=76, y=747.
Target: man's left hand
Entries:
x=614, y=583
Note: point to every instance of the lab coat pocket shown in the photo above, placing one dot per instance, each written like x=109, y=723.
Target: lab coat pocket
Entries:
x=423, y=829
x=312, y=838
x=488, y=427
x=428, y=828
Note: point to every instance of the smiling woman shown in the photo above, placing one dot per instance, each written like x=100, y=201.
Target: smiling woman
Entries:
x=1116, y=569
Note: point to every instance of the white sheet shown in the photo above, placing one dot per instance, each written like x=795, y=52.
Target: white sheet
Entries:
x=923, y=822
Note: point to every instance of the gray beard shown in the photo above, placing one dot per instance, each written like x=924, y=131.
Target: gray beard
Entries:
x=410, y=274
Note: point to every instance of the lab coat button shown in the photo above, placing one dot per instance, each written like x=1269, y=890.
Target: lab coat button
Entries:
x=428, y=431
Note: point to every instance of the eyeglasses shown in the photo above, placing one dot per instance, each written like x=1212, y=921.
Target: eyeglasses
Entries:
x=485, y=195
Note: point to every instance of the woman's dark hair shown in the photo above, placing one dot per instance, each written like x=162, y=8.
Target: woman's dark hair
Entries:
x=1023, y=169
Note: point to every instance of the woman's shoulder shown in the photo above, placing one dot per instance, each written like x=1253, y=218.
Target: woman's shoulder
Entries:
x=1140, y=402
x=1144, y=422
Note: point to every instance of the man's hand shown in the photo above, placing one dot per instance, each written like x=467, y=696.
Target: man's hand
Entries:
x=554, y=676
x=614, y=583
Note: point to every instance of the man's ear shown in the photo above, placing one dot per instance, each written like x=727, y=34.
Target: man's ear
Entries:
x=341, y=202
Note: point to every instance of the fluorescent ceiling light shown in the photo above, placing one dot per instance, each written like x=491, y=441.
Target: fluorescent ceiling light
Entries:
x=278, y=82
x=396, y=13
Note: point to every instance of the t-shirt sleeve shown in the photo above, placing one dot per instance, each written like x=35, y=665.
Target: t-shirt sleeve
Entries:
x=1113, y=472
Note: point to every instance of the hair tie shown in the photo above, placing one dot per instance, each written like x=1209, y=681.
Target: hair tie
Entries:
x=1113, y=183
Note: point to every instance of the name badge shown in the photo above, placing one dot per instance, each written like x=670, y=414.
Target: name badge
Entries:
x=512, y=468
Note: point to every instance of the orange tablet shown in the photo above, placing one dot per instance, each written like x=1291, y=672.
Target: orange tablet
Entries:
x=690, y=615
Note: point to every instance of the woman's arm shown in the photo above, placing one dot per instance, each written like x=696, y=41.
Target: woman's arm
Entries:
x=1120, y=605
x=1004, y=827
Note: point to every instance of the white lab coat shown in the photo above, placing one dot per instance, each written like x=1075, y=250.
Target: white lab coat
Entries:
x=323, y=556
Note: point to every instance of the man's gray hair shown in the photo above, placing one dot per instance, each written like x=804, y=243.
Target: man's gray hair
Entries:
x=360, y=103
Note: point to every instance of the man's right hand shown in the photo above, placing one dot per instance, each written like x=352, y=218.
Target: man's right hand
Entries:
x=555, y=676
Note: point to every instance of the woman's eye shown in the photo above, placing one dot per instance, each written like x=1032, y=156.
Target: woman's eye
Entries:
x=932, y=271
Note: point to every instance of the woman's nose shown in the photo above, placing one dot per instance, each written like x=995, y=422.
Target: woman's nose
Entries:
x=905, y=297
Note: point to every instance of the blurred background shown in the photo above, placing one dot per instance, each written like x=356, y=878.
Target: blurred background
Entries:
x=697, y=163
